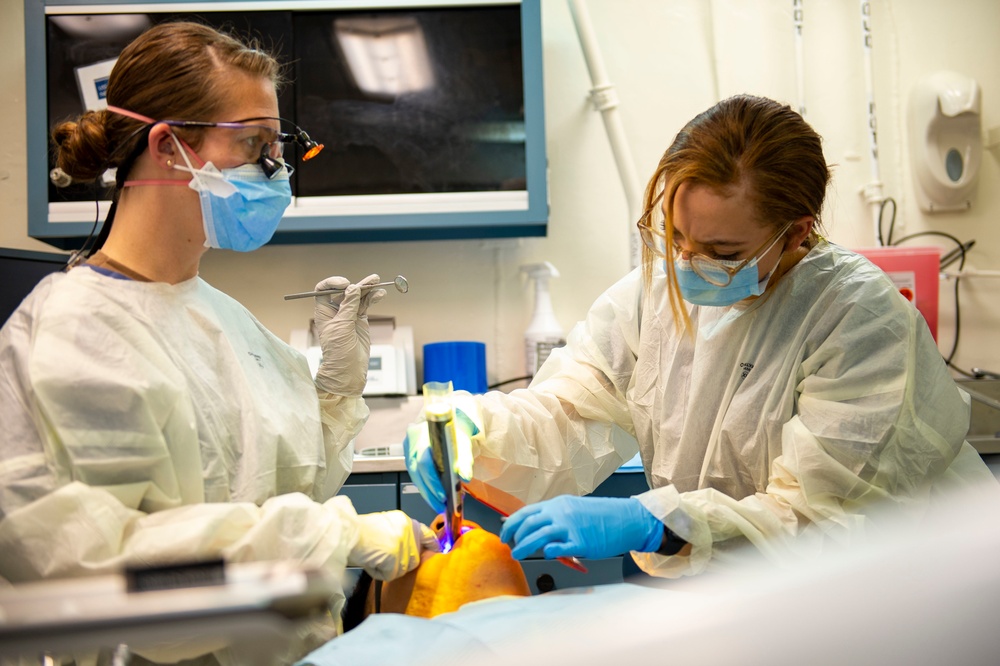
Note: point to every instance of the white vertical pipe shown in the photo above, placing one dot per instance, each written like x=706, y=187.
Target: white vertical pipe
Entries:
x=800, y=78
x=872, y=192
x=605, y=100
x=713, y=53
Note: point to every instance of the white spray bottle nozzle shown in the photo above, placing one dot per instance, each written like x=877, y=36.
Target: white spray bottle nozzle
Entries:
x=540, y=273
x=540, y=270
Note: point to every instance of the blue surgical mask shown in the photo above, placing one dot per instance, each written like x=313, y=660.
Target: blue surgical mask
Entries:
x=696, y=289
x=240, y=207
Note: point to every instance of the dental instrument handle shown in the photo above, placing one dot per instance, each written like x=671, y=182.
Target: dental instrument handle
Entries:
x=400, y=283
x=307, y=294
x=440, y=416
x=443, y=451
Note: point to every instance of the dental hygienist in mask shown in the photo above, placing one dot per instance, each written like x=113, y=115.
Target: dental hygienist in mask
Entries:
x=780, y=391
x=146, y=416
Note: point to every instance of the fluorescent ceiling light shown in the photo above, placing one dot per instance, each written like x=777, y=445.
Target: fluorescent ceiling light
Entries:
x=122, y=26
x=386, y=55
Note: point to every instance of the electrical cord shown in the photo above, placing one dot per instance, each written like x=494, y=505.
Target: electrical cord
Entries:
x=959, y=254
x=90, y=244
x=960, y=247
x=892, y=221
x=510, y=381
x=81, y=254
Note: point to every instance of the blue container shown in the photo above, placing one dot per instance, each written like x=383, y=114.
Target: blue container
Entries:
x=461, y=363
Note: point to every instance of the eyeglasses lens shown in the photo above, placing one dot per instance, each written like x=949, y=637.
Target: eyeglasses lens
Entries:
x=275, y=149
x=654, y=240
x=710, y=270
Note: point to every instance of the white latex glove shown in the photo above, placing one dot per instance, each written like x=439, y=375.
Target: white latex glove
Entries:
x=390, y=543
x=342, y=325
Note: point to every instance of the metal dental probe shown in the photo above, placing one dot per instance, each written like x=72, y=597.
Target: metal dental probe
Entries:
x=399, y=282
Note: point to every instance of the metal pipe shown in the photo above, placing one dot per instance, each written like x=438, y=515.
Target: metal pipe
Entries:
x=872, y=192
x=605, y=100
x=800, y=78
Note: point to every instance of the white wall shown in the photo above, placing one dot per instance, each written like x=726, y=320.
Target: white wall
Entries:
x=669, y=59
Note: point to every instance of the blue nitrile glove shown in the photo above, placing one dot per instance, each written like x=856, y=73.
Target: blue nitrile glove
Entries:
x=420, y=462
x=591, y=527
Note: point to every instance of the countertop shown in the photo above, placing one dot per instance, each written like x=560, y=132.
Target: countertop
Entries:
x=369, y=464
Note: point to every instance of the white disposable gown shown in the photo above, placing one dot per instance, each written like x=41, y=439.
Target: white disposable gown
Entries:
x=144, y=421
x=781, y=419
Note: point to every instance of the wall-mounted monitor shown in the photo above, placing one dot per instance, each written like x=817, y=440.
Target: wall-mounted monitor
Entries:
x=20, y=271
x=431, y=111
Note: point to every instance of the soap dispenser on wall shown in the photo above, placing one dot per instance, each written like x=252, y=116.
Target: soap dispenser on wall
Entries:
x=946, y=143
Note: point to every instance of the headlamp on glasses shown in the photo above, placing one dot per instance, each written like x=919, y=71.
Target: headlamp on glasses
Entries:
x=271, y=140
x=272, y=165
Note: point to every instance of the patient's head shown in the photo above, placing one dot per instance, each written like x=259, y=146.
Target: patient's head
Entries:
x=479, y=566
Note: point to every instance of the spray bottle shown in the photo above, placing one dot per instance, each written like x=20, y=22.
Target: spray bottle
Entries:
x=544, y=332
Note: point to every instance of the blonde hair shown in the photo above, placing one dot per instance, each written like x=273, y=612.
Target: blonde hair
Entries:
x=745, y=141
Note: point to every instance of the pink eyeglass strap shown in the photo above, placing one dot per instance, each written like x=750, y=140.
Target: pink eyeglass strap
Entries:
x=163, y=181
x=125, y=112
x=146, y=119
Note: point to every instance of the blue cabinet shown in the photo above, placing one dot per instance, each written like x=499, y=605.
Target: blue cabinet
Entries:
x=371, y=497
x=548, y=575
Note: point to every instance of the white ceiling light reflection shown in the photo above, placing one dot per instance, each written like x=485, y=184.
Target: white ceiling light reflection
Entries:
x=121, y=26
x=386, y=55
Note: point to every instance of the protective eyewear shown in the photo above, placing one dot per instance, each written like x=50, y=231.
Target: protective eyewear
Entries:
x=714, y=271
x=262, y=144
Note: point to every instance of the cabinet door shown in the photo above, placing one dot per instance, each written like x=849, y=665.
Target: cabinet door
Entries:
x=622, y=484
x=413, y=504
x=371, y=498
x=548, y=575
x=485, y=517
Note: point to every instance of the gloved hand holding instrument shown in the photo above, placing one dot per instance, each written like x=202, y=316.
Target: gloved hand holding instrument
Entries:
x=389, y=544
x=442, y=445
x=511, y=501
x=426, y=474
x=420, y=457
x=591, y=527
x=341, y=321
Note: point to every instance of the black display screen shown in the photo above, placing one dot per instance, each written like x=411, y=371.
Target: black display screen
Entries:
x=405, y=100
x=446, y=114
x=20, y=271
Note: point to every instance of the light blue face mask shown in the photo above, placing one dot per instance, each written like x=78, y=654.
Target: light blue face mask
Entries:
x=240, y=207
x=719, y=282
x=696, y=289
